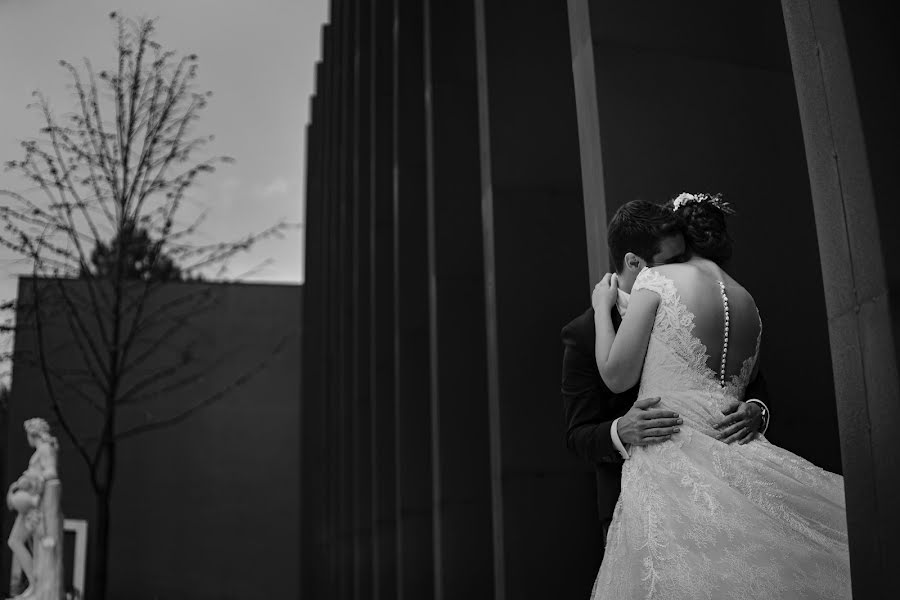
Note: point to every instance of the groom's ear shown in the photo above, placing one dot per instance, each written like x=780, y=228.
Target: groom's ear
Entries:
x=633, y=261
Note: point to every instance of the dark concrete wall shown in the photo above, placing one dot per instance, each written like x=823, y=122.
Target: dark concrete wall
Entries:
x=873, y=33
x=461, y=492
x=4, y=448
x=360, y=300
x=412, y=408
x=344, y=296
x=202, y=508
x=547, y=538
x=313, y=534
x=381, y=304
x=483, y=149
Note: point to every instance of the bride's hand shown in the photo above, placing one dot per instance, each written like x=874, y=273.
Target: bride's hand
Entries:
x=605, y=293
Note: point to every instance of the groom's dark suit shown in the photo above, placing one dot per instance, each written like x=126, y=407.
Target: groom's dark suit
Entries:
x=591, y=407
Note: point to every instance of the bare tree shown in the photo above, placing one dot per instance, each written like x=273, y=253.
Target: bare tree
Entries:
x=103, y=239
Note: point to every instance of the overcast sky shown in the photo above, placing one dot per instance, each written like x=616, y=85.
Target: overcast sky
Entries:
x=256, y=57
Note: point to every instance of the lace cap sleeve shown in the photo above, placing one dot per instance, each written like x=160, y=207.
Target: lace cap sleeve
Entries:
x=648, y=279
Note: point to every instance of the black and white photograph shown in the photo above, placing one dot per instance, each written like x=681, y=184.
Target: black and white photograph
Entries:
x=449, y=300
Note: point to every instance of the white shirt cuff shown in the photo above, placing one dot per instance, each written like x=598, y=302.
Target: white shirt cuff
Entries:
x=614, y=434
x=768, y=414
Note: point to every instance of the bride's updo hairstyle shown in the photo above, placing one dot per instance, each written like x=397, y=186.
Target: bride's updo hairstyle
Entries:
x=705, y=231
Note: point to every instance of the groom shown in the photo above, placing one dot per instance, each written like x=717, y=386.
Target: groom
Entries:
x=599, y=422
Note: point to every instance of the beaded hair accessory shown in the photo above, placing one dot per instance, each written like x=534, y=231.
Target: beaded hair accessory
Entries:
x=684, y=198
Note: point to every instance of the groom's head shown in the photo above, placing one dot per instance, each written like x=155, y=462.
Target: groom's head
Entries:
x=643, y=234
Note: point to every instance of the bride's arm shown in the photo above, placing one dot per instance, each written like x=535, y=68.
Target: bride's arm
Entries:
x=620, y=356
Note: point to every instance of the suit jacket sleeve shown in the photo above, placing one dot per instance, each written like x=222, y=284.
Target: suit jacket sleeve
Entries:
x=589, y=410
x=759, y=390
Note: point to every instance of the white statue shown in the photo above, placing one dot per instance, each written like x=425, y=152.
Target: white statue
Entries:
x=35, y=497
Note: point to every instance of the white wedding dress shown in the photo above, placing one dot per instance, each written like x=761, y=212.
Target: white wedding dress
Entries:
x=698, y=518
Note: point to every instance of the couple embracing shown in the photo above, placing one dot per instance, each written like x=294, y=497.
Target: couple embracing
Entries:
x=663, y=394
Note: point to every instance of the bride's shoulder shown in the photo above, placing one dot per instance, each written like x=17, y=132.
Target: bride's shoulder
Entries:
x=657, y=279
x=673, y=272
x=667, y=279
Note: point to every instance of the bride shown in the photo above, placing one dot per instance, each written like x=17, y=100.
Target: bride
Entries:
x=698, y=518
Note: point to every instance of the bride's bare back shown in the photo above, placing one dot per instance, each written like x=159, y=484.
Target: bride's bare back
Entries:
x=701, y=284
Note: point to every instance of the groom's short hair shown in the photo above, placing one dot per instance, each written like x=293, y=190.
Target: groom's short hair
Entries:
x=637, y=227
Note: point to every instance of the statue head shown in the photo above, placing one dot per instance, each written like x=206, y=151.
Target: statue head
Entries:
x=38, y=429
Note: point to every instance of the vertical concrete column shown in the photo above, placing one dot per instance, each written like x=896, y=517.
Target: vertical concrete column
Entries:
x=591, y=155
x=360, y=334
x=344, y=298
x=381, y=302
x=546, y=538
x=846, y=84
x=306, y=386
x=412, y=409
x=461, y=481
x=312, y=436
x=329, y=218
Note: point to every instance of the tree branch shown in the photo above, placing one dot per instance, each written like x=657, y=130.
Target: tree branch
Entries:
x=206, y=402
x=54, y=400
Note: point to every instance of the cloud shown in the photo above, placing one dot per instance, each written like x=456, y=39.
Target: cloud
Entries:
x=280, y=188
x=228, y=191
x=277, y=187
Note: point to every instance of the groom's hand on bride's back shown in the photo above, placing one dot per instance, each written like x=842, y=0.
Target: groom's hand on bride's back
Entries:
x=741, y=423
x=644, y=424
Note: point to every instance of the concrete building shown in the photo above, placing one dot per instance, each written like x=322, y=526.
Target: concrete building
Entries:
x=463, y=160
x=206, y=508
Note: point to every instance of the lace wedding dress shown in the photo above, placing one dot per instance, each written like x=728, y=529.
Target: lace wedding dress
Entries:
x=698, y=518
